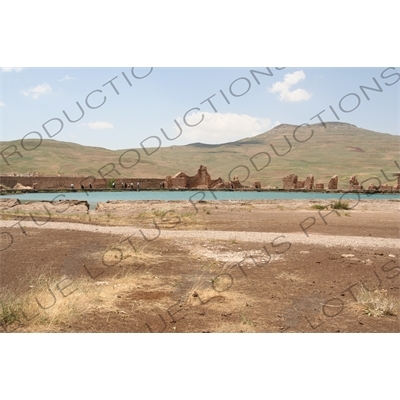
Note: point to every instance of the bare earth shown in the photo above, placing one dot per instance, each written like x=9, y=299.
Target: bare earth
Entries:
x=255, y=266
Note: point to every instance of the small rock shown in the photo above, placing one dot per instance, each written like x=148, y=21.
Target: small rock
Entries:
x=391, y=255
x=348, y=255
x=101, y=283
x=304, y=252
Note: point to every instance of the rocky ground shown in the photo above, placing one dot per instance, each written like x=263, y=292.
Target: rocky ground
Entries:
x=264, y=266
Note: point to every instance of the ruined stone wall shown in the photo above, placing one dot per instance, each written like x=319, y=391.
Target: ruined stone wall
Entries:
x=179, y=182
x=202, y=178
x=386, y=188
x=289, y=182
x=64, y=182
x=353, y=183
x=333, y=183
x=216, y=182
x=309, y=182
x=236, y=184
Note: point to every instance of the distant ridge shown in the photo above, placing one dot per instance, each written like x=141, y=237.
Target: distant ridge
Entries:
x=338, y=148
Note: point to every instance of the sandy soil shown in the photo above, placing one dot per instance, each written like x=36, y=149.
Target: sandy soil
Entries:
x=205, y=267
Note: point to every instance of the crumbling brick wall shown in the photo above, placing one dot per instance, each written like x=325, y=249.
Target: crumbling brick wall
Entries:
x=333, y=183
x=309, y=182
x=290, y=181
x=64, y=182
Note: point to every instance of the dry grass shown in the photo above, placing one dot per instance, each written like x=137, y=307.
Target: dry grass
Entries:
x=319, y=206
x=45, y=309
x=163, y=218
x=378, y=302
x=287, y=276
x=124, y=252
x=340, y=205
x=49, y=302
x=53, y=300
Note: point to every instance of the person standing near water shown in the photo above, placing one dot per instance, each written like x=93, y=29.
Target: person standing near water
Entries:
x=138, y=186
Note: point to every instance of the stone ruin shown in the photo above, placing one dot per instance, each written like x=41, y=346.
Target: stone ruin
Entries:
x=333, y=183
x=202, y=180
x=309, y=182
x=353, y=184
x=386, y=188
x=383, y=187
x=235, y=183
x=397, y=187
x=291, y=182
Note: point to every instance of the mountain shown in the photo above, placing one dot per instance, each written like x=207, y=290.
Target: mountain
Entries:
x=337, y=149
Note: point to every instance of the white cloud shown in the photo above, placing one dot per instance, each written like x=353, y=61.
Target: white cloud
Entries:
x=2, y=104
x=99, y=125
x=219, y=128
x=11, y=69
x=66, y=78
x=283, y=88
x=37, y=91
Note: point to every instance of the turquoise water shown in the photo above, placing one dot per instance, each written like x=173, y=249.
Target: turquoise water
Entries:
x=94, y=197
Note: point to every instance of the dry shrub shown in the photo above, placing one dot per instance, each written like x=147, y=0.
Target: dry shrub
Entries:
x=378, y=302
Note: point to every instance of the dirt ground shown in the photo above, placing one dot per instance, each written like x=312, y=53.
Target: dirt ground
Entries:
x=68, y=280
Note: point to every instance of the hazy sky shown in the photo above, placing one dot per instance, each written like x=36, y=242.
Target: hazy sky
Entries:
x=149, y=100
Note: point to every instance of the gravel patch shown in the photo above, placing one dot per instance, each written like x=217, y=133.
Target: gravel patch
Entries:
x=257, y=237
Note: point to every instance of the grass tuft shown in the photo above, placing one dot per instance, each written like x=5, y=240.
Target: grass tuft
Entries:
x=318, y=207
x=378, y=303
x=340, y=205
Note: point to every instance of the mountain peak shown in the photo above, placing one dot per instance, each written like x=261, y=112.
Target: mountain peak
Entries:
x=331, y=124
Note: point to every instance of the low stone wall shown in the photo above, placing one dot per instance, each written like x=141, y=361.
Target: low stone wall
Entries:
x=64, y=182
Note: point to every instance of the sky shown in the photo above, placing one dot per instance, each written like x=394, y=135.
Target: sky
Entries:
x=123, y=107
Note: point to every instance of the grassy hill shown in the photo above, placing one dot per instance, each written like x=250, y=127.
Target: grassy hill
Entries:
x=339, y=149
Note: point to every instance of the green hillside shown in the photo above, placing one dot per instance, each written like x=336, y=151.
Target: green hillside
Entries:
x=339, y=149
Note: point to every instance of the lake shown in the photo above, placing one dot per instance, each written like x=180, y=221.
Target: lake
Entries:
x=195, y=195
